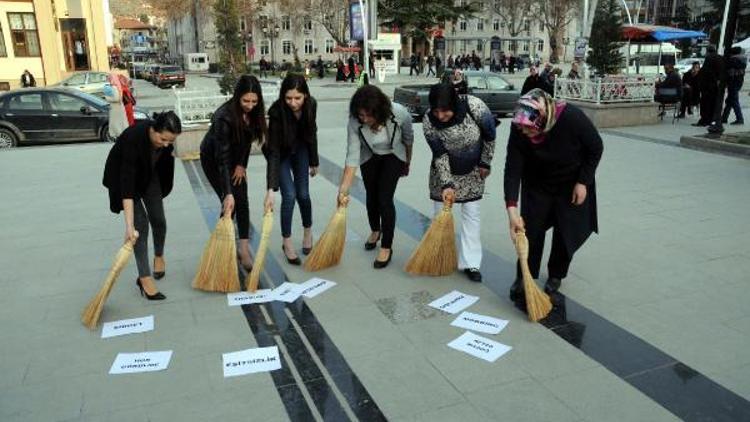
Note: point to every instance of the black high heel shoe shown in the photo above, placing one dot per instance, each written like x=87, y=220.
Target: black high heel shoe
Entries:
x=382, y=264
x=372, y=245
x=155, y=296
x=293, y=261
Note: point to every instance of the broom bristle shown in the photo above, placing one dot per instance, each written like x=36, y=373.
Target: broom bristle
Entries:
x=329, y=248
x=251, y=283
x=92, y=312
x=436, y=253
x=217, y=271
x=538, y=303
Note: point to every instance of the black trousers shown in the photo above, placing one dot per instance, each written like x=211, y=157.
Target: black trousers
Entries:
x=559, y=258
x=241, y=206
x=149, y=211
x=380, y=175
x=708, y=106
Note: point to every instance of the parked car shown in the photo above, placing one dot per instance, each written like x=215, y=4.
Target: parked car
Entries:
x=137, y=69
x=169, y=76
x=44, y=115
x=150, y=70
x=88, y=82
x=499, y=94
x=684, y=65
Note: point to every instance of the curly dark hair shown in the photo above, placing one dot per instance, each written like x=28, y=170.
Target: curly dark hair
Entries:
x=371, y=100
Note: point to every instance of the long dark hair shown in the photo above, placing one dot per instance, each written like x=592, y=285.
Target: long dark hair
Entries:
x=371, y=99
x=257, y=117
x=297, y=82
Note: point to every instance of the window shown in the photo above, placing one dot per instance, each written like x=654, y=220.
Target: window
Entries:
x=480, y=6
x=476, y=82
x=263, y=3
x=308, y=23
x=540, y=45
x=242, y=23
x=480, y=44
x=480, y=24
x=264, y=50
x=462, y=25
x=308, y=46
x=97, y=78
x=286, y=23
x=77, y=79
x=496, y=84
x=496, y=25
x=23, y=34
x=263, y=21
x=26, y=102
x=525, y=46
x=462, y=3
x=329, y=46
x=3, y=52
x=286, y=47
x=541, y=26
x=62, y=102
x=526, y=25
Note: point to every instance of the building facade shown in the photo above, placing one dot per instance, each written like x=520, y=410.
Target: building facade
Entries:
x=51, y=39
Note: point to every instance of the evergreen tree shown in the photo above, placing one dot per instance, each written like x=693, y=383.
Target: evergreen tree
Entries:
x=606, y=34
x=229, y=43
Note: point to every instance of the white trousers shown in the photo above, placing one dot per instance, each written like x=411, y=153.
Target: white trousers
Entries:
x=470, y=242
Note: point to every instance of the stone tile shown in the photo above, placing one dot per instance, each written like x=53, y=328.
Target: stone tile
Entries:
x=598, y=395
x=464, y=412
x=523, y=400
x=408, y=308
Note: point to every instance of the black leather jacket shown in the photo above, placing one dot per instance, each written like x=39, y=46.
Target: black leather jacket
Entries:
x=221, y=149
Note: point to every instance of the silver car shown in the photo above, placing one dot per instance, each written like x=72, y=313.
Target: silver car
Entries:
x=88, y=82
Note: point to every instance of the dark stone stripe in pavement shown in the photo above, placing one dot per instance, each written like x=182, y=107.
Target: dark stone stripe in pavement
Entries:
x=357, y=397
x=680, y=389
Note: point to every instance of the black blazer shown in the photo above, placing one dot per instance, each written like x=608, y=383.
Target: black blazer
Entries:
x=280, y=130
x=128, y=170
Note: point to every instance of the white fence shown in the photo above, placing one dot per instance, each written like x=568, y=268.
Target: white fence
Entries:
x=613, y=89
x=197, y=107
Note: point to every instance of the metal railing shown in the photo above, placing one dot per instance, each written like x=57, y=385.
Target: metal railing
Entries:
x=196, y=107
x=612, y=89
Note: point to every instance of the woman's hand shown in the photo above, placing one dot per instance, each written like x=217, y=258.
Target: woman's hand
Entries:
x=342, y=199
x=131, y=234
x=268, y=201
x=483, y=173
x=579, y=194
x=239, y=175
x=313, y=171
x=405, y=169
x=515, y=223
x=449, y=194
x=228, y=205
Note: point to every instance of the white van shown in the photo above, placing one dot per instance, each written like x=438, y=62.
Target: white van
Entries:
x=196, y=62
x=649, y=63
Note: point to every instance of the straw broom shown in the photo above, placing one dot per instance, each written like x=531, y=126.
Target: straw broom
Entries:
x=90, y=316
x=436, y=253
x=217, y=271
x=251, y=282
x=538, y=304
x=329, y=248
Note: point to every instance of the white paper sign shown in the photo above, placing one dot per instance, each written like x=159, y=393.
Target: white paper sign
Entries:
x=262, y=359
x=315, y=286
x=286, y=292
x=480, y=323
x=479, y=347
x=454, y=302
x=127, y=326
x=246, y=298
x=128, y=363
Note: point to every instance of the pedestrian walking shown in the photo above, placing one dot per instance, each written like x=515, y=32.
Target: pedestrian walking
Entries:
x=292, y=158
x=735, y=78
x=263, y=67
x=413, y=65
x=379, y=141
x=708, y=80
x=225, y=149
x=139, y=174
x=461, y=134
x=352, y=70
x=552, y=155
x=430, y=69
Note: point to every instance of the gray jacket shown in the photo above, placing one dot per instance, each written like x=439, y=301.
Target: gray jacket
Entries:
x=398, y=129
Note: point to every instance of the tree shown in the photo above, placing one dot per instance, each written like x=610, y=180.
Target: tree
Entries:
x=417, y=18
x=712, y=19
x=556, y=15
x=333, y=15
x=229, y=43
x=605, y=56
x=515, y=13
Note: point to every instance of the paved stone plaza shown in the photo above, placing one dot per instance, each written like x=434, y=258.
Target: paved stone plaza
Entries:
x=653, y=325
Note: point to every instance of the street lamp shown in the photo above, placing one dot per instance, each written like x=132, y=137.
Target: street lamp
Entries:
x=271, y=33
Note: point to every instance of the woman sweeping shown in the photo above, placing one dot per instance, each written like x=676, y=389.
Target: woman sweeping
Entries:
x=553, y=153
x=379, y=140
x=460, y=131
x=139, y=175
x=225, y=151
x=292, y=154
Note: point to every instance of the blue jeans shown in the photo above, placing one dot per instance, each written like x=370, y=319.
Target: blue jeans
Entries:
x=294, y=182
x=732, y=103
